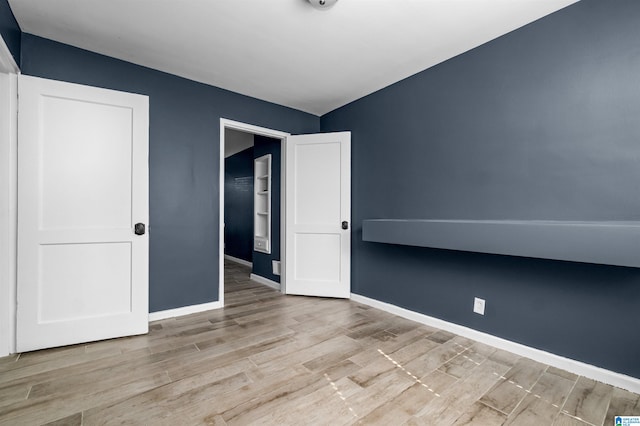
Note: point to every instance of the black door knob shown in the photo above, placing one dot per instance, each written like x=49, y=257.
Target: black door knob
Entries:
x=139, y=229
x=345, y=225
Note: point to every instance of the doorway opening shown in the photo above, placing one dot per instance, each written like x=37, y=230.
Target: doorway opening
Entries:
x=240, y=145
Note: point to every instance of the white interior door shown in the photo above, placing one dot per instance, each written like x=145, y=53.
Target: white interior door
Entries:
x=318, y=209
x=82, y=185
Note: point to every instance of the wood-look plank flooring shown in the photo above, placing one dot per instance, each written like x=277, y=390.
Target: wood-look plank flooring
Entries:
x=268, y=359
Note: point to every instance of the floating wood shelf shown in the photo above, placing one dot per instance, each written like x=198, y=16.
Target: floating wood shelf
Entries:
x=608, y=243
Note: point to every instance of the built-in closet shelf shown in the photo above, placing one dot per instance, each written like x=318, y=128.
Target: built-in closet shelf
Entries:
x=608, y=243
x=262, y=204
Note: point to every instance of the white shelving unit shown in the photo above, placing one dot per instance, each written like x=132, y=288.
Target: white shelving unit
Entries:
x=262, y=204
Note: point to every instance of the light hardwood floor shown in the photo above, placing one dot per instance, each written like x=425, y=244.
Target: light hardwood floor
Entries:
x=272, y=359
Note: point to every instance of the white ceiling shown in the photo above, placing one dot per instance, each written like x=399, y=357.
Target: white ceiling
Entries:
x=282, y=51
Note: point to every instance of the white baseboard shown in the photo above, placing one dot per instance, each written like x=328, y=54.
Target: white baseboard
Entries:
x=580, y=368
x=265, y=281
x=237, y=260
x=185, y=310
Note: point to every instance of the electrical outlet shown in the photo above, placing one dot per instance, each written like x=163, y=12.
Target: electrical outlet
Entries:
x=478, y=306
x=275, y=266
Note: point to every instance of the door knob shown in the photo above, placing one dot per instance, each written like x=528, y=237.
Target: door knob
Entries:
x=139, y=229
x=345, y=225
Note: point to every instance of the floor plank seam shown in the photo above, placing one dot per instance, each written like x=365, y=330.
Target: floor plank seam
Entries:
x=567, y=398
x=566, y=413
x=530, y=392
x=413, y=376
x=342, y=397
x=493, y=408
x=471, y=360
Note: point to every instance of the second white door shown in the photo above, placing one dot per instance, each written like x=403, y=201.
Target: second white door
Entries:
x=318, y=215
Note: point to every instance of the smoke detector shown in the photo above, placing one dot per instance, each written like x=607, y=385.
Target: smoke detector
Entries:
x=323, y=4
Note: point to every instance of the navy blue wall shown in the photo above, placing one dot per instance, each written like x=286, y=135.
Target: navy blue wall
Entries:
x=542, y=123
x=262, y=261
x=10, y=30
x=183, y=159
x=238, y=205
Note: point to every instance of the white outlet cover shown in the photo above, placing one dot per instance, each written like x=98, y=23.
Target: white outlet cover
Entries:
x=275, y=266
x=478, y=305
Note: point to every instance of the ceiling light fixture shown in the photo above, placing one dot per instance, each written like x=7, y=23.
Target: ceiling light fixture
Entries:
x=323, y=4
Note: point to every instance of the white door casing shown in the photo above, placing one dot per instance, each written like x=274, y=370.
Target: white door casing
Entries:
x=256, y=130
x=318, y=201
x=83, y=183
x=8, y=163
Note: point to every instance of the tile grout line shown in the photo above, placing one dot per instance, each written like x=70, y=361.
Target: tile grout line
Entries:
x=493, y=408
x=409, y=373
x=530, y=392
x=342, y=397
x=576, y=417
x=608, y=406
x=253, y=362
x=515, y=409
x=562, y=410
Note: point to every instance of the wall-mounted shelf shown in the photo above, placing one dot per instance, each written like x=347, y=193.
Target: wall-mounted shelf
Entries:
x=608, y=243
x=262, y=204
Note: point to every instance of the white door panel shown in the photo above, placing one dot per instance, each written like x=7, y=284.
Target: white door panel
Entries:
x=318, y=200
x=105, y=271
x=317, y=174
x=76, y=158
x=83, y=184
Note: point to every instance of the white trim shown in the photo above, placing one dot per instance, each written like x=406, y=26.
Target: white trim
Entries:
x=7, y=62
x=8, y=210
x=13, y=211
x=185, y=310
x=587, y=370
x=257, y=130
x=8, y=198
x=238, y=260
x=221, y=219
x=250, y=128
x=283, y=215
x=265, y=281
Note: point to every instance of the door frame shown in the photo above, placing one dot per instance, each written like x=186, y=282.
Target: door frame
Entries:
x=8, y=197
x=263, y=131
